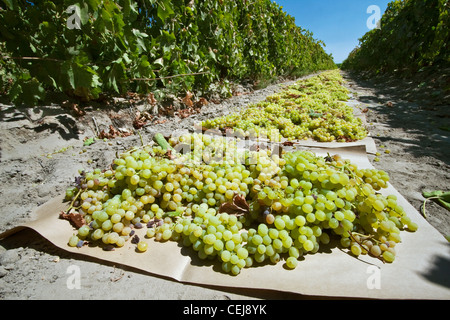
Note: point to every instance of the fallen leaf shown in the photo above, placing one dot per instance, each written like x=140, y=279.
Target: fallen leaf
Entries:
x=151, y=99
x=238, y=206
x=201, y=102
x=76, y=110
x=139, y=120
x=160, y=121
x=75, y=218
x=187, y=99
x=113, y=133
x=184, y=113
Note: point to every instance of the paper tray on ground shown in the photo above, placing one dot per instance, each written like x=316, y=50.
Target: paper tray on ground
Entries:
x=420, y=270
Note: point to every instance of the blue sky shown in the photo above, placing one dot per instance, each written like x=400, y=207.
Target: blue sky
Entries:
x=338, y=23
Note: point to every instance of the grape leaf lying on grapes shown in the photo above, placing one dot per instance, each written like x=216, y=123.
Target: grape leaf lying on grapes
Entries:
x=238, y=206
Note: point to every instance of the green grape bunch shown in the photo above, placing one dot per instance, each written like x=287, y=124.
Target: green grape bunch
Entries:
x=241, y=208
x=313, y=108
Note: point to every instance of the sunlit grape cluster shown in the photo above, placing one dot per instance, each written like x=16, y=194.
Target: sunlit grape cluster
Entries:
x=311, y=108
x=281, y=207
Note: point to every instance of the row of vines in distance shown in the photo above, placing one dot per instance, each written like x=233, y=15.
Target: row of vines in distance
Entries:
x=414, y=34
x=139, y=45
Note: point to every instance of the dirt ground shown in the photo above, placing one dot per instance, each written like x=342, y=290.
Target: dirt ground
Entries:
x=42, y=150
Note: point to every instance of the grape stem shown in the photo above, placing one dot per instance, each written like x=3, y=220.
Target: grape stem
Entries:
x=424, y=203
x=74, y=199
x=362, y=246
x=142, y=140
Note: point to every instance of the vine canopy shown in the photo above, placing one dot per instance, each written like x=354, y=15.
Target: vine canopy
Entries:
x=88, y=49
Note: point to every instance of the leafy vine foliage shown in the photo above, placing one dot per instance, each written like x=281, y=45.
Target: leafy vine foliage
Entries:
x=414, y=34
x=143, y=46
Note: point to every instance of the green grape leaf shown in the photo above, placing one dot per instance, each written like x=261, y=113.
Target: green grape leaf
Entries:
x=12, y=4
x=27, y=91
x=164, y=9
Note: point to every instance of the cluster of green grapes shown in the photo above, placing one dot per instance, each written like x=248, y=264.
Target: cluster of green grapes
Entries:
x=312, y=108
x=293, y=203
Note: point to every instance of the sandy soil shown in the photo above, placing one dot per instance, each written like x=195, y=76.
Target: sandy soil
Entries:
x=42, y=150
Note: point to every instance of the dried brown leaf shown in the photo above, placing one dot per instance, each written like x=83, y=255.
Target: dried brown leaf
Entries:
x=139, y=121
x=151, y=99
x=187, y=100
x=170, y=155
x=238, y=206
x=74, y=108
x=113, y=133
x=75, y=218
x=201, y=102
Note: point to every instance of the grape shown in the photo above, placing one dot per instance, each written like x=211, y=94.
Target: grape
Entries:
x=113, y=237
x=263, y=229
x=151, y=232
x=166, y=234
x=412, y=226
x=324, y=238
x=273, y=233
x=375, y=250
x=142, y=246
x=107, y=225
x=234, y=258
x=209, y=239
x=84, y=231
x=308, y=245
x=355, y=249
x=388, y=256
x=291, y=262
x=270, y=218
x=277, y=244
x=225, y=255
x=73, y=241
x=235, y=270
x=242, y=253
x=257, y=240
x=230, y=245
x=97, y=234
x=300, y=220
x=279, y=223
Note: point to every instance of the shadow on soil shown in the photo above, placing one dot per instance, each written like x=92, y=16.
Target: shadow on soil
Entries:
x=419, y=106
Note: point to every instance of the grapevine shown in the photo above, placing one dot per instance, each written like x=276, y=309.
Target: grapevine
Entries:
x=160, y=47
x=239, y=207
x=400, y=33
